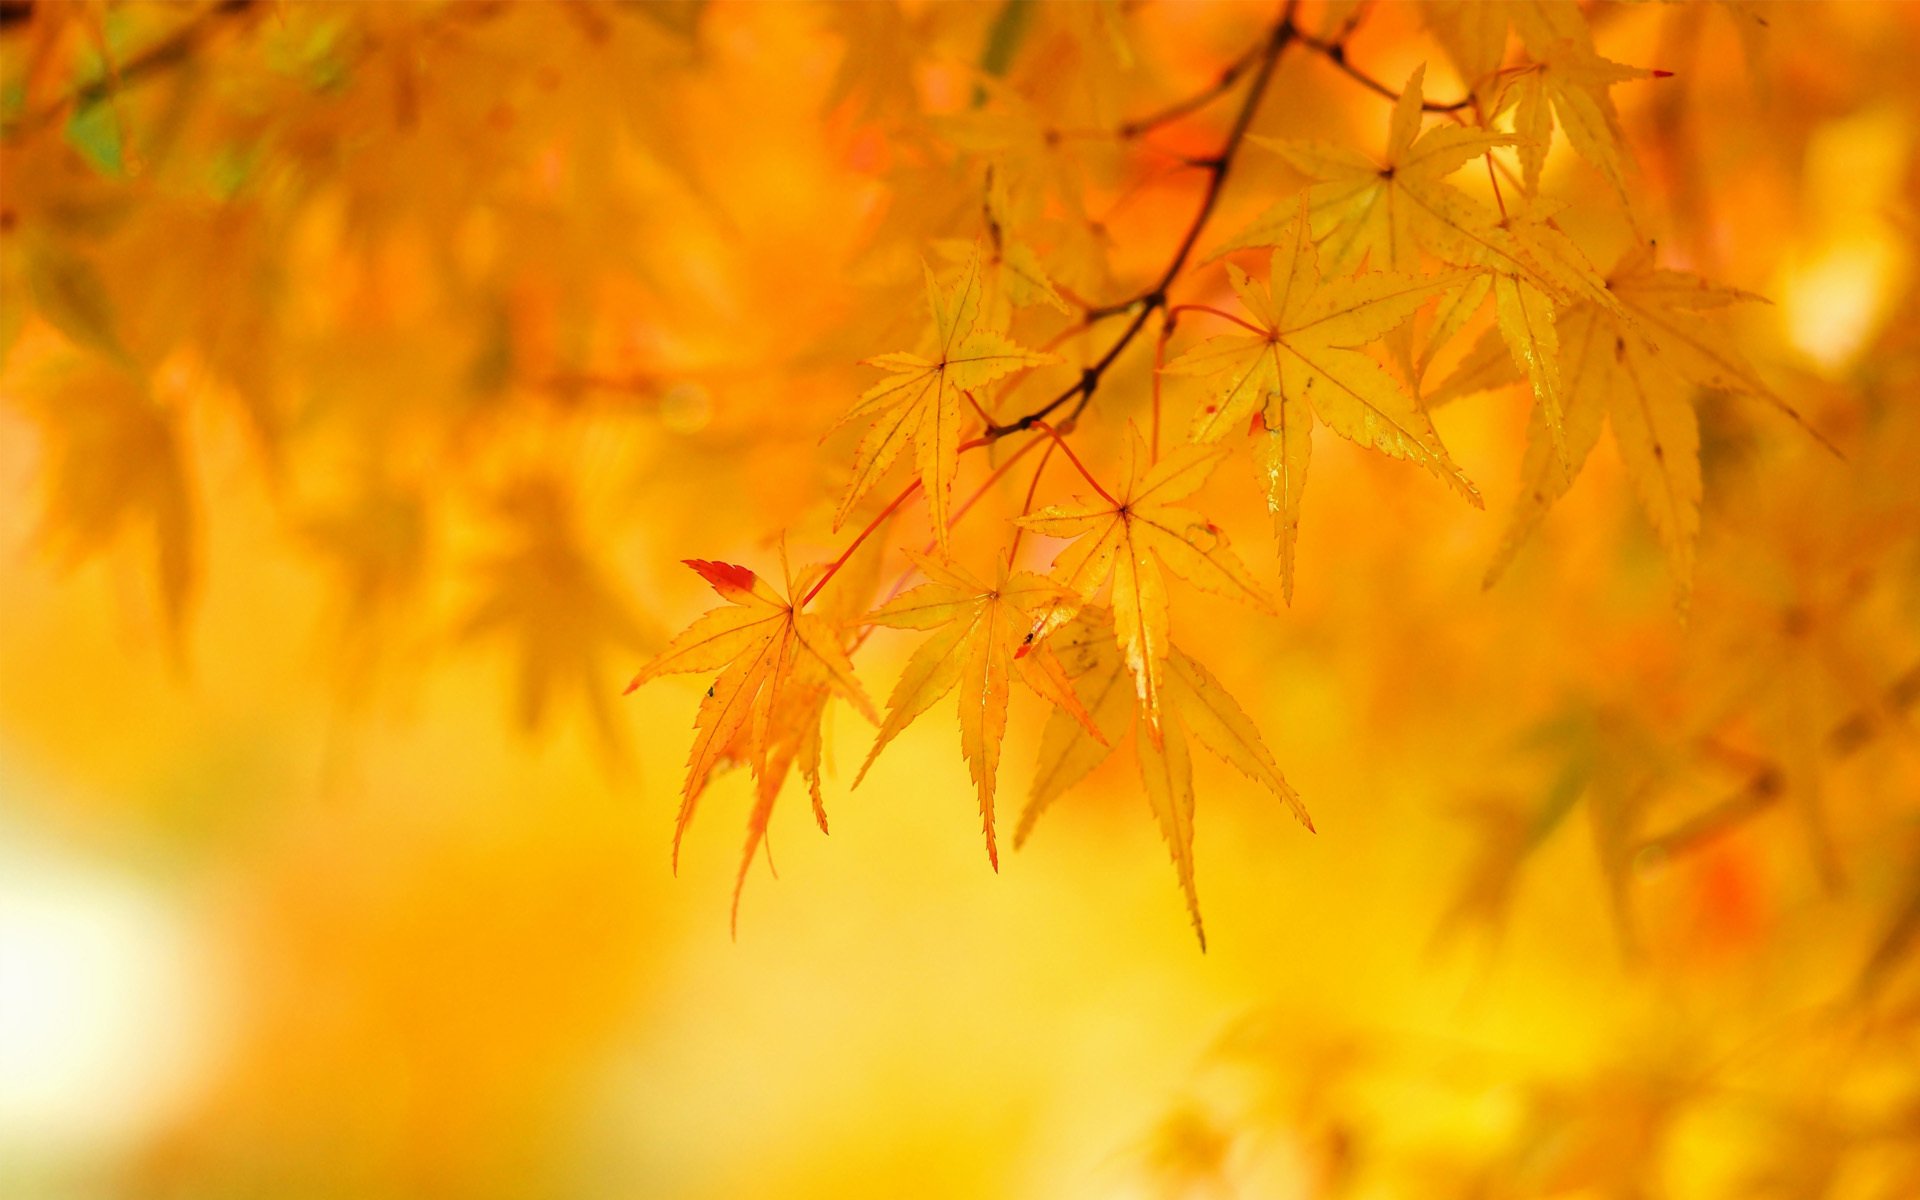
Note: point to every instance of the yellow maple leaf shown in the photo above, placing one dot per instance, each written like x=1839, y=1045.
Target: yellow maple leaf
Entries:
x=1524, y=315
x=1129, y=537
x=1474, y=35
x=1384, y=211
x=979, y=644
x=1196, y=705
x=1016, y=277
x=920, y=400
x=1567, y=83
x=1666, y=307
x=1637, y=368
x=115, y=460
x=1299, y=358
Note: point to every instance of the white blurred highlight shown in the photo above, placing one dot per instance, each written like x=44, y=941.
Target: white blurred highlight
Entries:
x=105, y=1020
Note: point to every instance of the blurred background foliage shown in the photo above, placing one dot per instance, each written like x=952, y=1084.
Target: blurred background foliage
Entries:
x=369, y=366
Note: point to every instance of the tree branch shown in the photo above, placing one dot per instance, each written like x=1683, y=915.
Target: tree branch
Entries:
x=1335, y=52
x=1194, y=103
x=1155, y=297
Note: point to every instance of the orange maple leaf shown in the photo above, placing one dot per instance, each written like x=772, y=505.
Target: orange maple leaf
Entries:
x=778, y=667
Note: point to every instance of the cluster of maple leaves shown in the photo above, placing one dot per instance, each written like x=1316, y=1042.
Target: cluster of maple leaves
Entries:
x=1337, y=306
x=1371, y=271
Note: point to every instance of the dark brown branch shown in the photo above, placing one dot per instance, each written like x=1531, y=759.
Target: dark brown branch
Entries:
x=1194, y=103
x=1765, y=787
x=1335, y=52
x=1155, y=297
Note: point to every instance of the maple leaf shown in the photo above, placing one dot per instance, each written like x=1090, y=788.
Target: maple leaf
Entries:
x=545, y=594
x=778, y=667
x=920, y=400
x=1032, y=170
x=377, y=542
x=1474, y=35
x=1015, y=273
x=1196, y=705
x=979, y=644
x=1567, y=82
x=1507, y=833
x=1636, y=371
x=1384, y=211
x=1524, y=315
x=1129, y=537
x=1301, y=358
x=1088, y=654
x=115, y=460
x=69, y=292
x=1612, y=375
x=1545, y=272
x=1666, y=307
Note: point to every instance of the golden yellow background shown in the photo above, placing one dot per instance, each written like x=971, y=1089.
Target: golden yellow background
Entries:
x=306, y=908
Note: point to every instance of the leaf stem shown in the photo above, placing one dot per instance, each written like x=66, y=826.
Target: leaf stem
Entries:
x=999, y=472
x=1222, y=313
x=833, y=568
x=1085, y=474
x=906, y=494
x=1033, y=489
x=1160, y=361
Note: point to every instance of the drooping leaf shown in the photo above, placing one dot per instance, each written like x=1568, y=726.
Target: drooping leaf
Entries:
x=1611, y=372
x=1218, y=722
x=1196, y=706
x=1087, y=652
x=1166, y=770
x=1568, y=75
x=1524, y=316
x=778, y=666
x=977, y=646
x=1128, y=537
x=114, y=461
x=1668, y=308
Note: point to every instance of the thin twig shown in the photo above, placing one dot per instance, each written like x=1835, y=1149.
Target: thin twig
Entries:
x=1335, y=52
x=1194, y=103
x=1766, y=786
